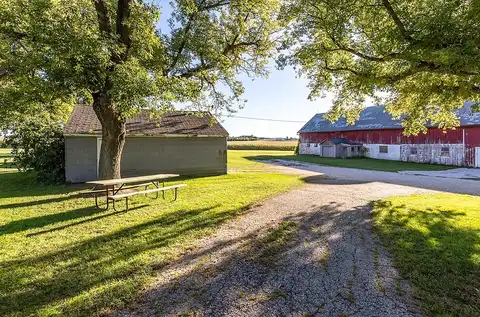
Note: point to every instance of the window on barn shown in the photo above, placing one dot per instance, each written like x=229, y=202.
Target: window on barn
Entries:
x=383, y=149
x=308, y=144
x=413, y=150
x=316, y=144
x=445, y=151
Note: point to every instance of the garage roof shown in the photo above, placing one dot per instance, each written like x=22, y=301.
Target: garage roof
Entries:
x=374, y=118
x=84, y=121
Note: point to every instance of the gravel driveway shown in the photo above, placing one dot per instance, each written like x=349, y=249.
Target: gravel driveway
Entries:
x=451, y=185
x=328, y=263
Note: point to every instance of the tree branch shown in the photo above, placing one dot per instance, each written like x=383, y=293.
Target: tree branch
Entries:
x=182, y=44
x=229, y=47
x=202, y=67
x=102, y=16
x=214, y=5
x=341, y=47
x=6, y=71
x=195, y=70
x=122, y=29
x=401, y=28
x=341, y=69
x=191, y=19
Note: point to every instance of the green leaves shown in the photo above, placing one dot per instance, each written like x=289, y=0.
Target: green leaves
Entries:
x=421, y=58
x=57, y=51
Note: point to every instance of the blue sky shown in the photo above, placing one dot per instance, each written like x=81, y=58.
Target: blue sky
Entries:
x=281, y=96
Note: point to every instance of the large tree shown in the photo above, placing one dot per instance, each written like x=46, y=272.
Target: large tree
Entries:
x=421, y=58
x=112, y=54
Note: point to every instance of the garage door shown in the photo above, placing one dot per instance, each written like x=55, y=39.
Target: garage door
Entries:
x=327, y=151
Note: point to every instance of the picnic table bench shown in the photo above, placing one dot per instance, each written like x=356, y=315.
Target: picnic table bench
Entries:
x=112, y=188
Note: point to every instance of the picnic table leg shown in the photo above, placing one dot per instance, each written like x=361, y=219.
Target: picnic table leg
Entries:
x=155, y=183
x=176, y=194
x=96, y=198
x=126, y=205
x=163, y=191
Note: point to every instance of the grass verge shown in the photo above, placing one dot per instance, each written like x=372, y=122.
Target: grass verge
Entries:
x=61, y=257
x=435, y=241
x=361, y=163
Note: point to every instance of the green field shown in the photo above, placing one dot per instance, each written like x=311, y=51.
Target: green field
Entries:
x=5, y=153
x=60, y=256
x=288, y=145
x=435, y=241
x=6, y=160
x=362, y=163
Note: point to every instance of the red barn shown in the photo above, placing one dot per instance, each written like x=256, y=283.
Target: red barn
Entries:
x=382, y=138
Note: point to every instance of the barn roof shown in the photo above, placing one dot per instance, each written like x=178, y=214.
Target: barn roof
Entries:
x=84, y=121
x=374, y=118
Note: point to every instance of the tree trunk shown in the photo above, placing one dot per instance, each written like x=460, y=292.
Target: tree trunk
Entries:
x=113, y=136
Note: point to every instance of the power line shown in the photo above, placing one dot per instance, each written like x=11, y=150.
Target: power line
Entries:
x=265, y=119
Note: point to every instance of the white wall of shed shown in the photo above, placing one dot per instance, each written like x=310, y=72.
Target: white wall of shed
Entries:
x=313, y=149
x=374, y=151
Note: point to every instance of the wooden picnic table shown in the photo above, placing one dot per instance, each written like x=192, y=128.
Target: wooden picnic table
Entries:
x=112, y=187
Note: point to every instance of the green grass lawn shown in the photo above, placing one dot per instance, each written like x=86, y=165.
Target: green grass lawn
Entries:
x=435, y=241
x=362, y=163
x=60, y=256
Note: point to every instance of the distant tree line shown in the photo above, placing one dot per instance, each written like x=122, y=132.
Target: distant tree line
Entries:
x=243, y=138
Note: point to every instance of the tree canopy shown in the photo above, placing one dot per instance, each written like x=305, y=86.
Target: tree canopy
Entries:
x=53, y=52
x=421, y=58
x=110, y=53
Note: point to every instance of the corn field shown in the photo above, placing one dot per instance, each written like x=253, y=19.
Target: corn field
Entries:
x=263, y=145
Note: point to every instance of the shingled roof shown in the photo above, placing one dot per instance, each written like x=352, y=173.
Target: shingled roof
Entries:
x=84, y=121
x=376, y=117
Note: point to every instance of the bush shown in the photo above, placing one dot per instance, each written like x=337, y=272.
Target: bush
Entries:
x=38, y=145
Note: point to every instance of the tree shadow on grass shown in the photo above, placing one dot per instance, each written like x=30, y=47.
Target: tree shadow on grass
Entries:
x=118, y=263
x=437, y=256
x=102, y=216
x=24, y=184
x=42, y=221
